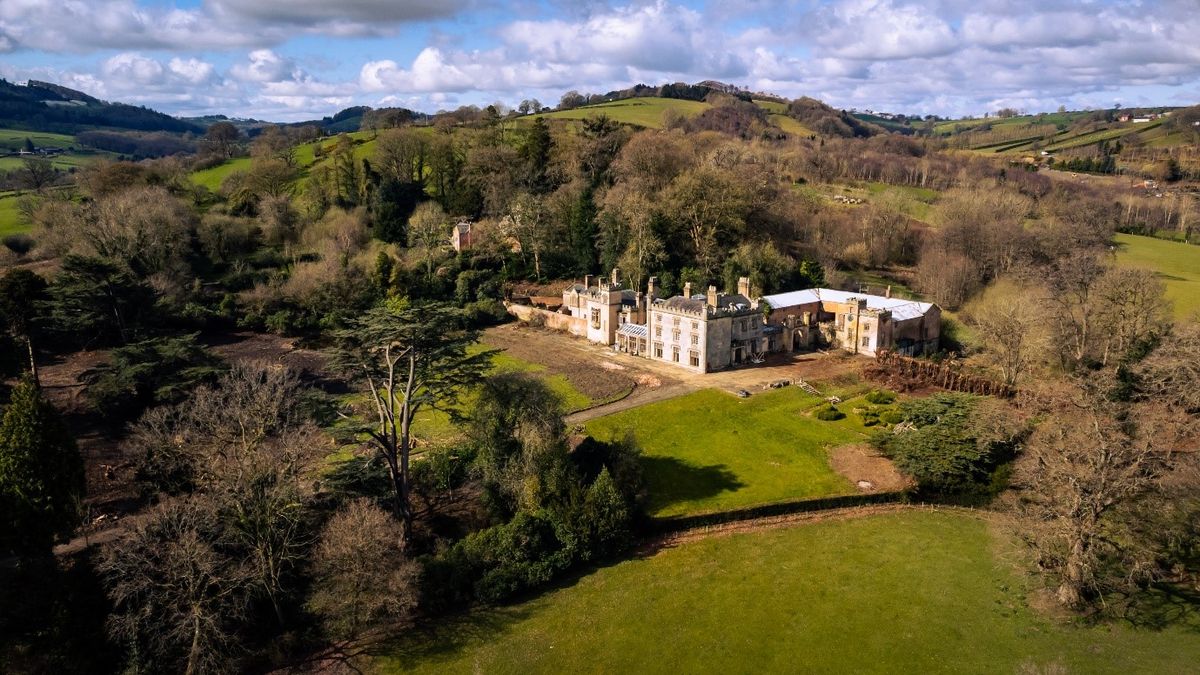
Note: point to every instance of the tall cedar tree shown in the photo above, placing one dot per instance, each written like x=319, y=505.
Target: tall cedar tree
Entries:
x=410, y=356
x=41, y=473
x=21, y=291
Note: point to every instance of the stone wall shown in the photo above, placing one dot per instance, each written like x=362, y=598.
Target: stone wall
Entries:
x=552, y=320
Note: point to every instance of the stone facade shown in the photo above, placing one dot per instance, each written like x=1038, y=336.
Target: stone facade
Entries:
x=713, y=331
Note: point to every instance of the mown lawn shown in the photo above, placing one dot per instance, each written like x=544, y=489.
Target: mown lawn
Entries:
x=711, y=451
x=907, y=592
x=1176, y=263
x=435, y=426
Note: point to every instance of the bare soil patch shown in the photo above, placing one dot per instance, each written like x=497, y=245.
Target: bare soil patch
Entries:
x=864, y=467
x=591, y=376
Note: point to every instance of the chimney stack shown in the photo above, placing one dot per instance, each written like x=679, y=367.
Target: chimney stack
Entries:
x=712, y=296
x=887, y=292
x=616, y=276
x=744, y=287
x=651, y=290
x=687, y=290
x=587, y=281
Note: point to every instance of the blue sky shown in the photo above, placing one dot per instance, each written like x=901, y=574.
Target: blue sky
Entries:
x=298, y=59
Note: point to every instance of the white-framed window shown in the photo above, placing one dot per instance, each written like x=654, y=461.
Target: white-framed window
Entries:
x=595, y=317
x=695, y=339
x=694, y=359
x=675, y=354
x=866, y=341
x=658, y=350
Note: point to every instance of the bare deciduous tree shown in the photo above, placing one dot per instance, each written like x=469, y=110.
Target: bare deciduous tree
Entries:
x=1009, y=327
x=361, y=575
x=177, y=597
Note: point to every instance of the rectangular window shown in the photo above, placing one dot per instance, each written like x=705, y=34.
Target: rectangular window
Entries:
x=695, y=339
x=675, y=335
x=694, y=359
x=675, y=354
x=658, y=331
x=658, y=350
x=866, y=342
x=695, y=325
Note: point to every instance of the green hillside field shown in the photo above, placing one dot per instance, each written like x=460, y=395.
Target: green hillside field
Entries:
x=643, y=112
x=912, y=591
x=1176, y=263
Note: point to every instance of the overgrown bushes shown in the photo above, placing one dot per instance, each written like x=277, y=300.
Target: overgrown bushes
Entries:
x=952, y=444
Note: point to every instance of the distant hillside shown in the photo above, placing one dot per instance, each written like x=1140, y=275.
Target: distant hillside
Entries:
x=42, y=106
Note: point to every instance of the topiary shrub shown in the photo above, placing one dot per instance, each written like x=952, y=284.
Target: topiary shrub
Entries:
x=880, y=397
x=828, y=413
x=892, y=417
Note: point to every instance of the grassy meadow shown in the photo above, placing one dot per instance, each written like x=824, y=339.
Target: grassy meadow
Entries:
x=11, y=221
x=643, y=112
x=1176, y=263
x=711, y=451
x=904, y=592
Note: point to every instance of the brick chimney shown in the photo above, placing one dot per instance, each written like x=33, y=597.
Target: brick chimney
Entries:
x=616, y=276
x=651, y=289
x=744, y=287
x=687, y=290
x=712, y=296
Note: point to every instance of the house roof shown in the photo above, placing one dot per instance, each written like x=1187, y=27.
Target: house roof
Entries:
x=633, y=330
x=900, y=308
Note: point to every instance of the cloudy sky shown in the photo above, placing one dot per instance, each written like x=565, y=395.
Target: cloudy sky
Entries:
x=296, y=59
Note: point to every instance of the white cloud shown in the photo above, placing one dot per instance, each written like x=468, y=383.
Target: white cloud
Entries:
x=264, y=65
x=945, y=56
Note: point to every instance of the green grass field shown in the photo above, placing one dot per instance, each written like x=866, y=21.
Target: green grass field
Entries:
x=1177, y=264
x=643, y=112
x=711, y=451
x=213, y=177
x=14, y=139
x=11, y=221
x=907, y=592
x=435, y=426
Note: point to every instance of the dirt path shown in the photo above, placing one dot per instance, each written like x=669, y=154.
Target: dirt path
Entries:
x=641, y=396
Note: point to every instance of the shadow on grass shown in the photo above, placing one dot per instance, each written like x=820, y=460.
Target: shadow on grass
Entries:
x=446, y=638
x=1164, y=606
x=673, y=481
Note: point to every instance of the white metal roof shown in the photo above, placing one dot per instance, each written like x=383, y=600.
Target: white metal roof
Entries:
x=900, y=308
x=633, y=330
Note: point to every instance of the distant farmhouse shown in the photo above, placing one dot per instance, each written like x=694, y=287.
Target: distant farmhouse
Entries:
x=712, y=331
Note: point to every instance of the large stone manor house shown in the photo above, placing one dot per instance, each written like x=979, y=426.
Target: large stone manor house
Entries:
x=712, y=330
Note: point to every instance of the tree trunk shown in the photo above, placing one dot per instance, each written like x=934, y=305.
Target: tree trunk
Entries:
x=194, y=651
x=33, y=369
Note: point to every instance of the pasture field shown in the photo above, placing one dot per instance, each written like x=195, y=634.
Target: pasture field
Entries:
x=14, y=139
x=1176, y=263
x=212, y=178
x=711, y=451
x=10, y=218
x=643, y=112
x=912, y=591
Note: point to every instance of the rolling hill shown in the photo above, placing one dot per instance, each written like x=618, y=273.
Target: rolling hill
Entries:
x=42, y=106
